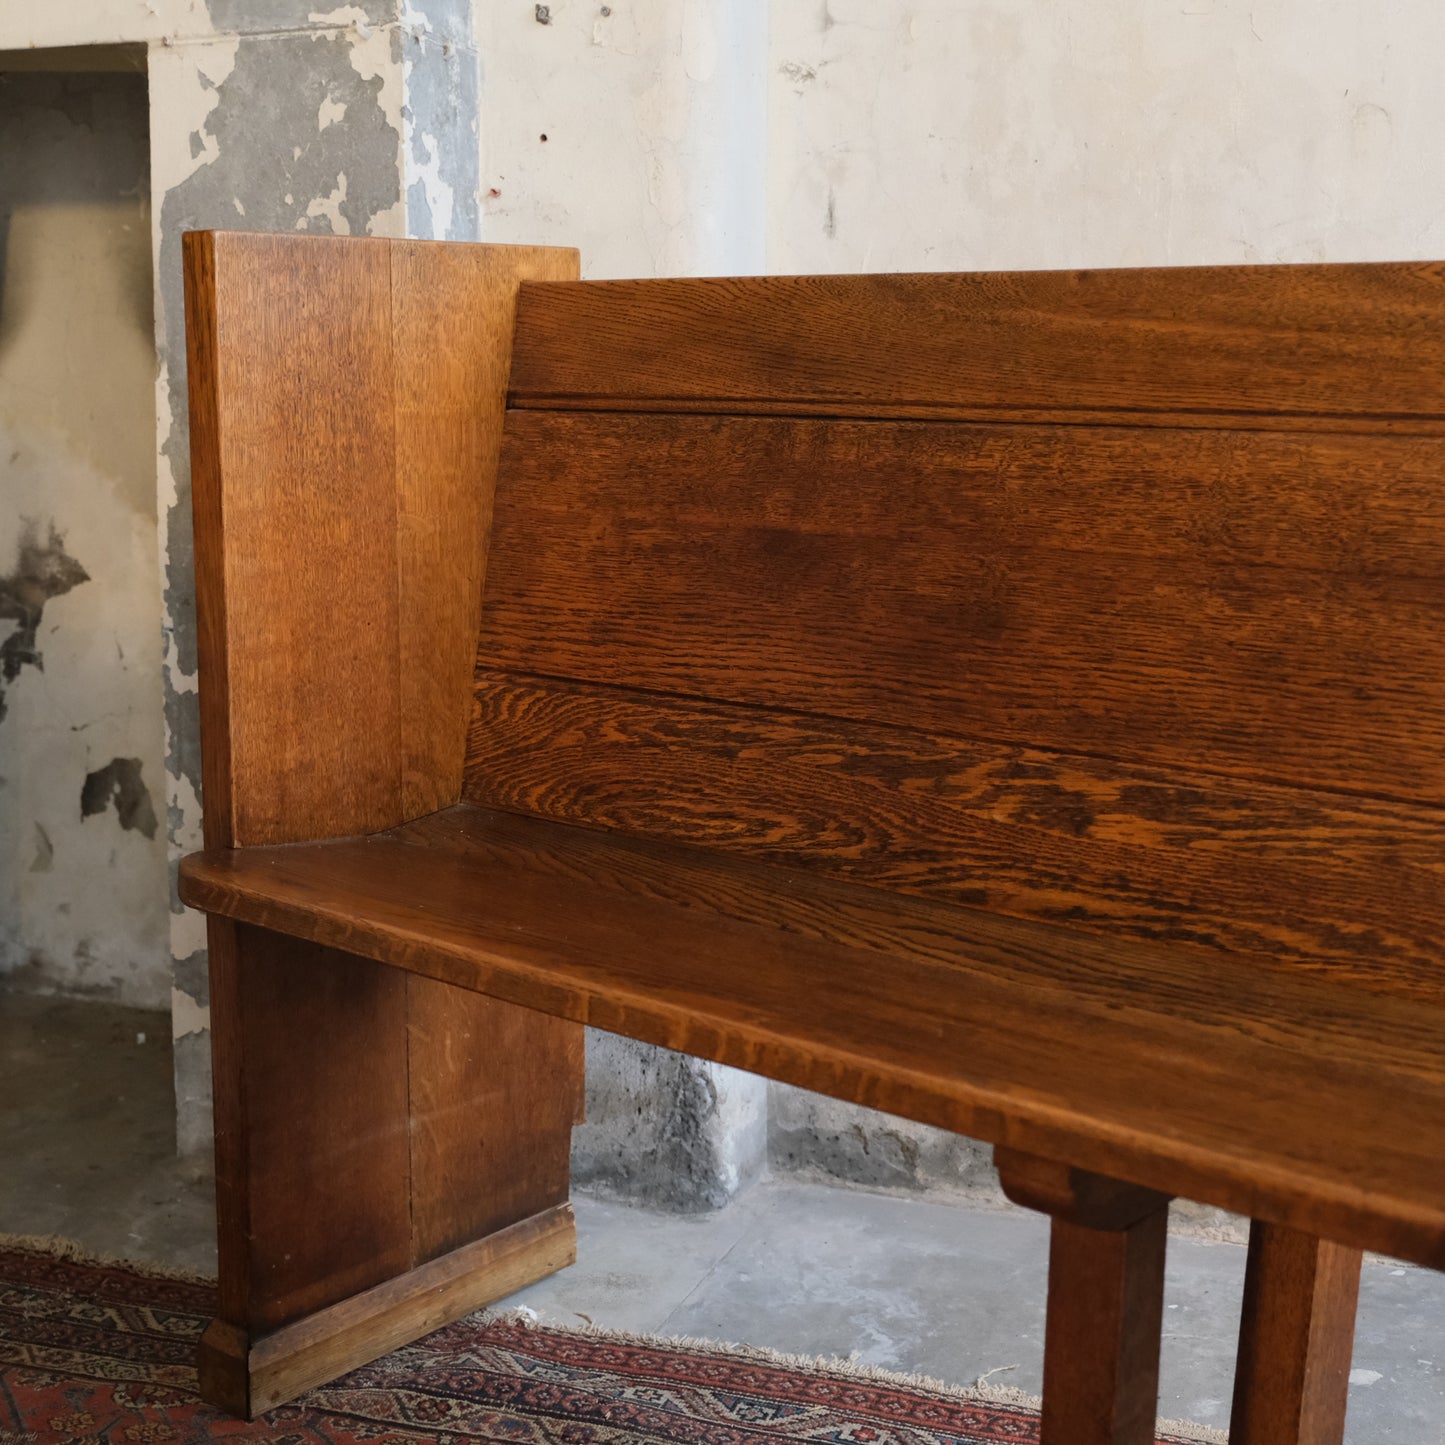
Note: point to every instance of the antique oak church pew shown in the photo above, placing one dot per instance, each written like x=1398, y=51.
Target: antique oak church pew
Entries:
x=1013, y=701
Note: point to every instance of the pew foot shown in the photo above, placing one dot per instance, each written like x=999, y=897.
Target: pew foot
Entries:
x=248, y=1374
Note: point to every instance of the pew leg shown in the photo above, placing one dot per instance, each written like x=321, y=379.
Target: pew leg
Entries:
x=1106, y=1300
x=1295, y=1339
x=391, y=1153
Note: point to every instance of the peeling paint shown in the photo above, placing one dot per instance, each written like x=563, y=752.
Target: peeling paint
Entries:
x=119, y=784
x=43, y=570
x=82, y=902
x=341, y=128
x=329, y=208
x=187, y=1016
x=231, y=16
x=192, y=977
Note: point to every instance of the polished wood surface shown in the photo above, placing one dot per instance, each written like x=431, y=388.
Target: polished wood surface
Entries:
x=325, y=1186
x=1320, y=880
x=495, y=1091
x=452, y=311
x=1359, y=345
x=1122, y=1057
x=1013, y=701
x=1190, y=601
x=250, y=1378
x=294, y=496
x=1102, y=1333
x=1292, y=1379
x=346, y=404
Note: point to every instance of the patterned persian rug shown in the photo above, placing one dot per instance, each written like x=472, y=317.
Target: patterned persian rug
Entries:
x=94, y=1351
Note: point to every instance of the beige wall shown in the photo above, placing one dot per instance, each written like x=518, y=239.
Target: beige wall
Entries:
x=983, y=134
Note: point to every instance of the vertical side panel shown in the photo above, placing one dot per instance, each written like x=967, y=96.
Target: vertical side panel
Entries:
x=453, y=309
x=344, y=442
x=494, y=1089
x=312, y=1160
x=292, y=386
x=494, y=1092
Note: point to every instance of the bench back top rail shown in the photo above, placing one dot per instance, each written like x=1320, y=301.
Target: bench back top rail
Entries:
x=1107, y=598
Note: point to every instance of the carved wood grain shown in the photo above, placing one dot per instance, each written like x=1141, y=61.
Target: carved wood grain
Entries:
x=1319, y=879
x=1250, y=605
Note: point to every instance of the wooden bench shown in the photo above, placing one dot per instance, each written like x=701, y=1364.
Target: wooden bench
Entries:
x=1016, y=702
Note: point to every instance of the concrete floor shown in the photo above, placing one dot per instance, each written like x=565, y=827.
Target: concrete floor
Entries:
x=911, y=1285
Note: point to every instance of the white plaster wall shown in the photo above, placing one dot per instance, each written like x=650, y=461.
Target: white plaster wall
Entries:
x=655, y=118
x=82, y=894
x=1018, y=134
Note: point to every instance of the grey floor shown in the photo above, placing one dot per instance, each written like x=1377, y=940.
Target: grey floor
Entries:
x=911, y=1285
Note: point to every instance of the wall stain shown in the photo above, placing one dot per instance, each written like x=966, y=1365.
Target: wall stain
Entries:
x=119, y=783
x=42, y=570
x=44, y=860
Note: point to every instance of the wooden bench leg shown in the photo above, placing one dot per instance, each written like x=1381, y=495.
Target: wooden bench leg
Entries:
x=1106, y=1300
x=391, y=1153
x=1295, y=1339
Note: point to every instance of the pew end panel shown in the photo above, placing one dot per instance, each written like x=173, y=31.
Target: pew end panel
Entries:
x=390, y=1151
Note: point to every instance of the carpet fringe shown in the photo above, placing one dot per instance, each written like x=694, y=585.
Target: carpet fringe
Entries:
x=1184, y=1432
x=61, y=1247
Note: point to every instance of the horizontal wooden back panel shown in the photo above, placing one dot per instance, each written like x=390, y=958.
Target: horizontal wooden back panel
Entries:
x=1116, y=599
x=1251, y=604
x=1285, y=345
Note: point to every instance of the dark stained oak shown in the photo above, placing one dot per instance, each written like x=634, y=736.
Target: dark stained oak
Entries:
x=1248, y=604
x=312, y=1201
x=292, y=453
x=1323, y=880
x=346, y=404
x=1245, y=345
x=1292, y=1381
x=1125, y=1058
x=452, y=310
x=249, y=1377
x=1102, y=1334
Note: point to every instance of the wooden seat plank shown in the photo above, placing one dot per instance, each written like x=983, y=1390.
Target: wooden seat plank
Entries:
x=1296, y=1100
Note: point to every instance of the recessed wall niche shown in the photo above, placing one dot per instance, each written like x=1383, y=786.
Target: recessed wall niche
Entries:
x=83, y=898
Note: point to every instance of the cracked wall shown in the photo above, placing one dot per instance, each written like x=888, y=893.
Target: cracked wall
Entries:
x=82, y=858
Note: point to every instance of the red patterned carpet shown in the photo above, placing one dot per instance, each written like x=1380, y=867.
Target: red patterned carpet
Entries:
x=104, y=1353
